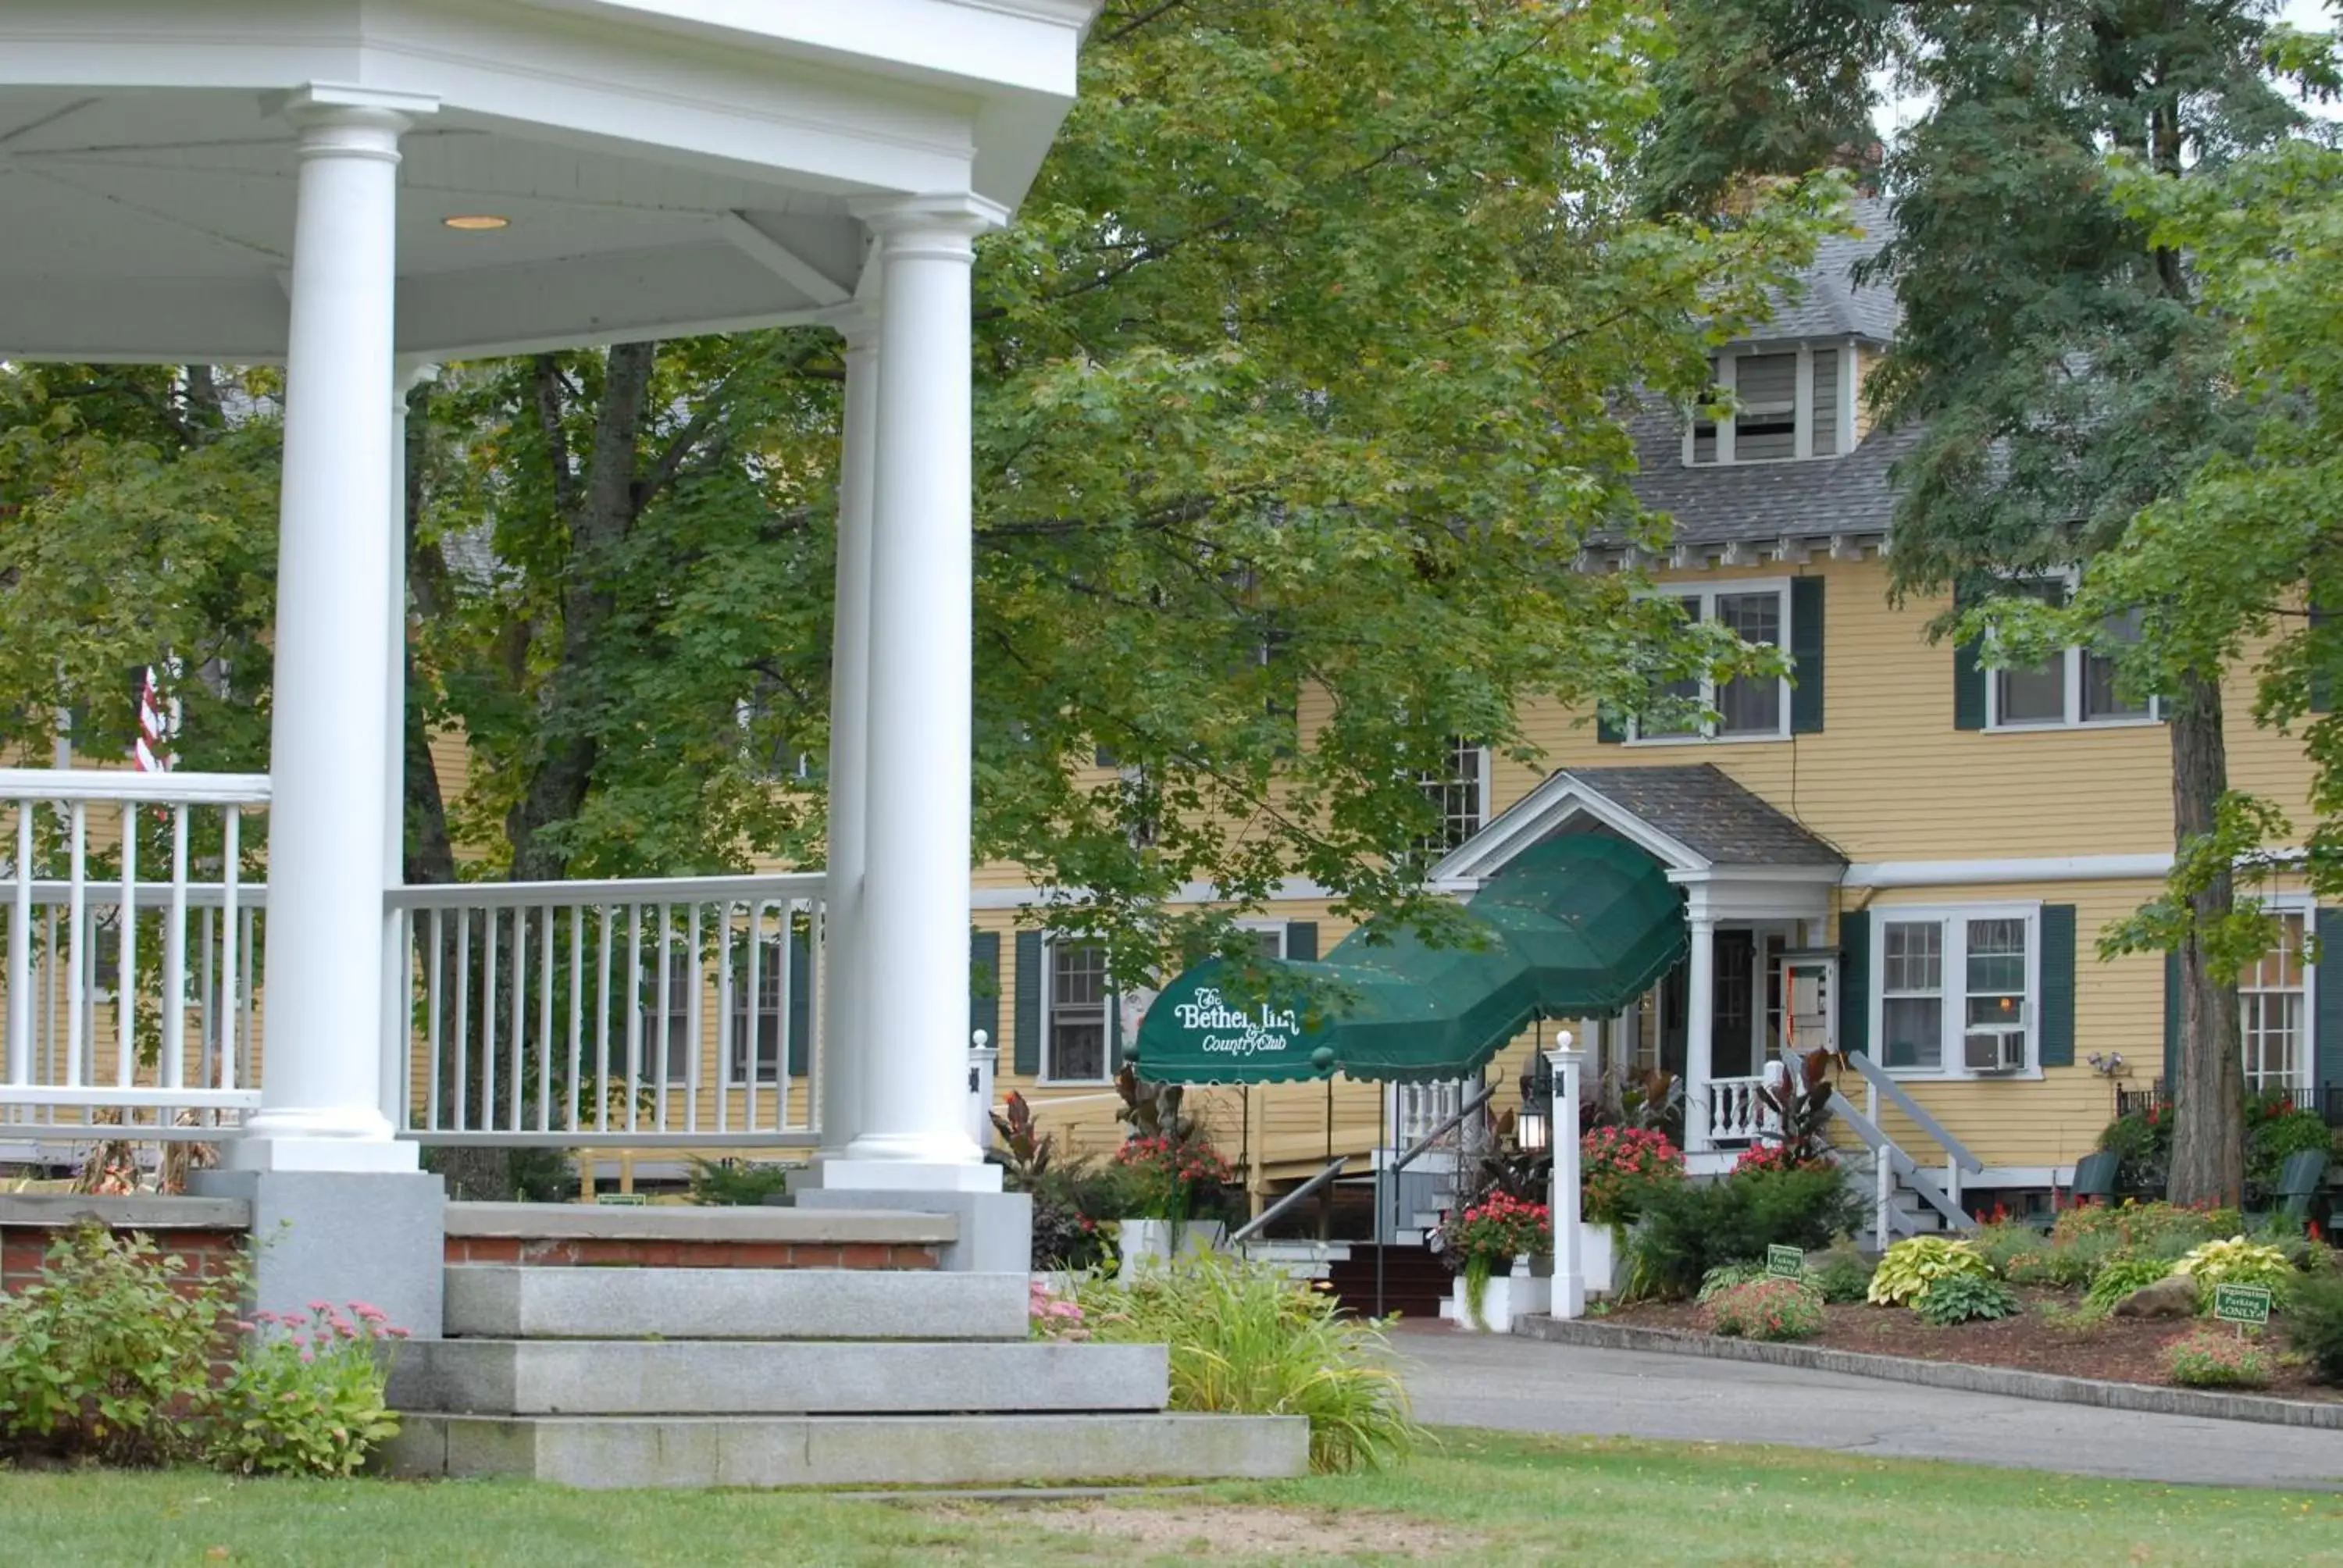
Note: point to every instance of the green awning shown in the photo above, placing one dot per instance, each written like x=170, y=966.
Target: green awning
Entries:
x=1576, y=926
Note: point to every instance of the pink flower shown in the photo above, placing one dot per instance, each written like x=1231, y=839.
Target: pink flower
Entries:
x=244, y=1327
x=396, y=1333
x=321, y=1307
x=370, y=1315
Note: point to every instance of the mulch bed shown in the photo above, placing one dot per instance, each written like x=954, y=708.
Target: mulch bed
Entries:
x=2116, y=1350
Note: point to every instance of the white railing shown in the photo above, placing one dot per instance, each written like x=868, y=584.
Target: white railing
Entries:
x=668, y=1013
x=1418, y=1108
x=1737, y=1111
x=131, y=1003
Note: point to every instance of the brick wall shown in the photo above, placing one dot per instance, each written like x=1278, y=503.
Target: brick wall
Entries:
x=204, y=1254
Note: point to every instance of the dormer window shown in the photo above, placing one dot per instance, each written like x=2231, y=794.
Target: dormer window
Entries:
x=1799, y=404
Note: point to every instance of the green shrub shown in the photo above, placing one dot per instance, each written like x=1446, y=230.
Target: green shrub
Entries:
x=1246, y=1339
x=1763, y=1309
x=1844, y=1277
x=108, y=1355
x=736, y=1184
x=2314, y=1323
x=2142, y=1143
x=1688, y=1228
x=306, y=1395
x=1915, y=1264
x=2119, y=1278
x=1724, y=1277
x=2060, y=1268
x=2003, y=1243
x=2143, y=1230
x=1966, y=1298
x=2209, y=1357
x=2276, y=1130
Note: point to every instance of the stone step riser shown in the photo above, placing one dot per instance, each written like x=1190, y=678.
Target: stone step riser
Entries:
x=487, y=1302
x=849, y=1451
x=703, y=1378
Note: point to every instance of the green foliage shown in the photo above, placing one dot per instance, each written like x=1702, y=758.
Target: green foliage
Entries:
x=2145, y=1230
x=304, y=1396
x=1688, y=1228
x=2314, y=1322
x=1966, y=1298
x=118, y=1354
x=2142, y=1142
x=735, y=1183
x=2119, y=1277
x=1844, y=1277
x=2276, y=1131
x=2216, y=1357
x=1766, y=1309
x=1246, y=1339
x=1913, y=1266
x=1724, y=1277
x=108, y=1355
x=2001, y=1242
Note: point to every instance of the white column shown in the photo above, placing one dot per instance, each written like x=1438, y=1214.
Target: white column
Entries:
x=1563, y=1207
x=1700, y=1005
x=846, y=1034
x=915, y=1129
x=321, y=1077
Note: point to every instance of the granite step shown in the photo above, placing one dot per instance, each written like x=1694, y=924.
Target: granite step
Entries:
x=607, y=1451
x=734, y=1377
x=497, y=1301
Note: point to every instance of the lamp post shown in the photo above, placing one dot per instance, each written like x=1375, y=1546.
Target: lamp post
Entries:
x=1534, y=1128
x=1562, y=1066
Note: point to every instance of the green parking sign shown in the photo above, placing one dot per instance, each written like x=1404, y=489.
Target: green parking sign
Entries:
x=1788, y=1262
x=2241, y=1303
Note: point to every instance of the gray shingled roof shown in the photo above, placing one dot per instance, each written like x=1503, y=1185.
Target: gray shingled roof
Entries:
x=1832, y=304
x=1806, y=499
x=1701, y=808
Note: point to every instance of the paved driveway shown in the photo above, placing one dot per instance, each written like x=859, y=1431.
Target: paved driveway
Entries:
x=1528, y=1385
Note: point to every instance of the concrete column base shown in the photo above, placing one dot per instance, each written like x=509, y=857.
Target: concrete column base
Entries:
x=996, y=1229
x=344, y=1237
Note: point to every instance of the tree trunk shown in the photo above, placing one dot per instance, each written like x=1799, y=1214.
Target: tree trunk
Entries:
x=2208, y=1135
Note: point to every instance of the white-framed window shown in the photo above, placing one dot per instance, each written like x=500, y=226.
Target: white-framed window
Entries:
x=1269, y=937
x=2274, y=1002
x=668, y=1044
x=1459, y=792
x=2075, y=687
x=1747, y=707
x=1785, y=404
x=1958, y=991
x=1075, y=1011
x=762, y=1018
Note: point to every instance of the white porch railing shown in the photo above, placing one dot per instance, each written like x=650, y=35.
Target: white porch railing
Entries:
x=1418, y=1108
x=668, y=1012
x=130, y=1002
x=1737, y=1111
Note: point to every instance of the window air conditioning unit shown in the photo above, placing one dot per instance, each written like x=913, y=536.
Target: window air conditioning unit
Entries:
x=1993, y=1050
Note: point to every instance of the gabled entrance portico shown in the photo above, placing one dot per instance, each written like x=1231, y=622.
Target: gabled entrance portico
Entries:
x=1756, y=886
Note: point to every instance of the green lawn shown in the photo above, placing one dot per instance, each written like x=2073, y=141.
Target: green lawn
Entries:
x=1480, y=1498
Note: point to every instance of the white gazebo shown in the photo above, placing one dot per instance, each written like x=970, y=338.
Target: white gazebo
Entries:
x=359, y=188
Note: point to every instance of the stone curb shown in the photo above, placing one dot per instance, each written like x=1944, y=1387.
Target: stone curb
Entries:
x=140, y=1212
x=560, y=1221
x=2006, y=1380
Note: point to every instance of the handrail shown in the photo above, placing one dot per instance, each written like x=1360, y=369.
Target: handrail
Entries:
x=51, y=893
x=619, y=891
x=1883, y=1147
x=1473, y=1102
x=1877, y=1077
x=1246, y=1231
x=109, y=786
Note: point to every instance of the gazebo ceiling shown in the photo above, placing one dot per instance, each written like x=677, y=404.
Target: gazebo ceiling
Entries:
x=661, y=168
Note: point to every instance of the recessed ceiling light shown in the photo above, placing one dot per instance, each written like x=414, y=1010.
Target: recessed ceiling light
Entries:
x=477, y=222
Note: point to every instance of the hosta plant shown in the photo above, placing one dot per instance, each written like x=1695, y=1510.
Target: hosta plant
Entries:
x=2119, y=1278
x=1726, y=1277
x=1966, y=1298
x=1915, y=1263
x=2216, y=1357
x=2235, y=1261
x=1772, y=1309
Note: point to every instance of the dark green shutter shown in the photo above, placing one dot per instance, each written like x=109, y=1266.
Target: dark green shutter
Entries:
x=2172, y=1017
x=1968, y=673
x=1301, y=941
x=1854, y=981
x=1807, y=655
x=1028, y=1057
x=1608, y=731
x=2057, y=985
x=2326, y=1028
x=984, y=987
x=800, y=1004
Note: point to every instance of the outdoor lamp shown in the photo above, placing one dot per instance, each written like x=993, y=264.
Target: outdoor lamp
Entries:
x=1534, y=1129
